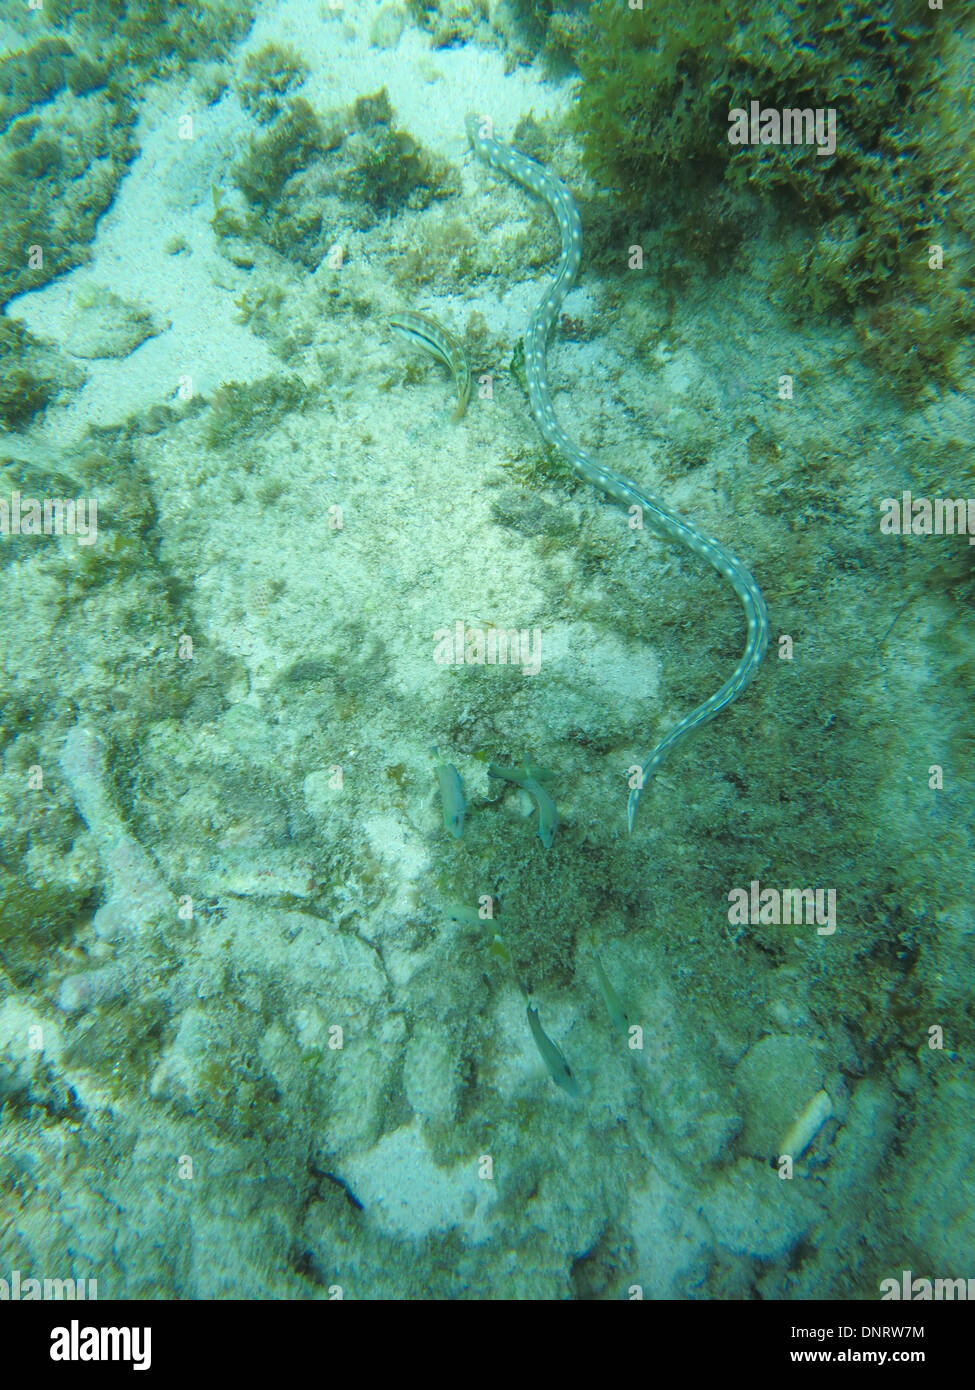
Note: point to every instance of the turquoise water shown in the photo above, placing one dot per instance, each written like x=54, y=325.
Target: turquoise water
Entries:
x=335, y=959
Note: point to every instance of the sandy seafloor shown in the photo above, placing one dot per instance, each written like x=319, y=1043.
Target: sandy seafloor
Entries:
x=185, y=1123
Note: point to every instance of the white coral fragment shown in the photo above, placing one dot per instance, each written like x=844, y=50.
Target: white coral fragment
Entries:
x=806, y=1126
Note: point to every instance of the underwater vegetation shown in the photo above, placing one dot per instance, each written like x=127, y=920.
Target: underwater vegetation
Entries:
x=523, y=29
x=66, y=142
x=68, y=108
x=277, y=153
x=154, y=36
x=266, y=76
x=303, y=171
x=25, y=386
x=67, y=116
x=243, y=408
x=656, y=88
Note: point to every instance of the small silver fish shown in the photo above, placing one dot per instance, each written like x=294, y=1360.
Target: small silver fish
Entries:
x=548, y=816
x=614, y=1005
x=558, y=1067
x=452, y=800
x=464, y=916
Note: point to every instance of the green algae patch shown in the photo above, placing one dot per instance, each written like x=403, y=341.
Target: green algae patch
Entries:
x=385, y=169
x=243, y=408
x=59, y=170
x=31, y=76
x=277, y=153
x=267, y=77
x=67, y=119
x=658, y=86
x=154, y=36
x=306, y=174
x=26, y=384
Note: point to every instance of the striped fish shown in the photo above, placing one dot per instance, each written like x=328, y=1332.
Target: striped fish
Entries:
x=430, y=335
